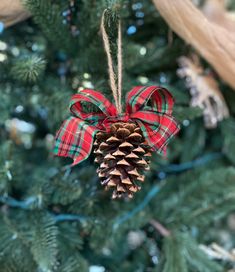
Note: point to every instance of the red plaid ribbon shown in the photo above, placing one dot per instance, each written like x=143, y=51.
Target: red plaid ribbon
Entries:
x=76, y=135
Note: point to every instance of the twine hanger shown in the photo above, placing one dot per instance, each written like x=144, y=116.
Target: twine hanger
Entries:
x=116, y=85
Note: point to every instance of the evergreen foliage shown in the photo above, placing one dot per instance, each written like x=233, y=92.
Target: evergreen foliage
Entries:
x=28, y=69
x=182, y=252
x=57, y=218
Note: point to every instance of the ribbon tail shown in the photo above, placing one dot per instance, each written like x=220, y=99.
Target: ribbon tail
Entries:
x=74, y=139
x=158, y=135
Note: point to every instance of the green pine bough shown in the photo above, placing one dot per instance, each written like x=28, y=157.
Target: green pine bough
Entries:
x=57, y=218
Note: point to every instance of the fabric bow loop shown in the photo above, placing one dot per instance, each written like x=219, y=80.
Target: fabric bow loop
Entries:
x=150, y=107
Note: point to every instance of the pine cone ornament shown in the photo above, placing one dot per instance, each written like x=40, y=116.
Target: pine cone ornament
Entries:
x=123, y=156
x=123, y=139
x=122, y=142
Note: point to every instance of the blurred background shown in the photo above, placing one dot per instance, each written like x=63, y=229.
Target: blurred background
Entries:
x=55, y=218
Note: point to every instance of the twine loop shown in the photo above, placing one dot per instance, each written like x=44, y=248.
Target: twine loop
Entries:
x=116, y=85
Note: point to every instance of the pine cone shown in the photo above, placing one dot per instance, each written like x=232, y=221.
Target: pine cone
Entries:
x=123, y=155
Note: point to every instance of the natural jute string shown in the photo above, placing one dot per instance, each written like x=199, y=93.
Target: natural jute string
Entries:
x=115, y=87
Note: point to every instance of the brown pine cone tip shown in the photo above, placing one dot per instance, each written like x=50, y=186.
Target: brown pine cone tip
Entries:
x=123, y=156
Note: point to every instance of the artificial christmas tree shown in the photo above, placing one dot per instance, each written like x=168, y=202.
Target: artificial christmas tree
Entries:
x=59, y=218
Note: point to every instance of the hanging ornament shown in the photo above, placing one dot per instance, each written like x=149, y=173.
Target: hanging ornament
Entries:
x=70, y=16
x=204, y=90
x=123, y=141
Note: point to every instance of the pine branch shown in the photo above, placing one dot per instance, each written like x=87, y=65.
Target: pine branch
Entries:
x=14, y=248
x=47, y=14
x=175, y=260
x=28, y=69
x=44, y=242
x=74, y=263
x=197, y=203
x=214, y=206
x=183, y=254
x=70, y=244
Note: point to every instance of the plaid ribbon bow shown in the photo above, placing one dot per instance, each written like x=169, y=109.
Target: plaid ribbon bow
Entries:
x=76, y=135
